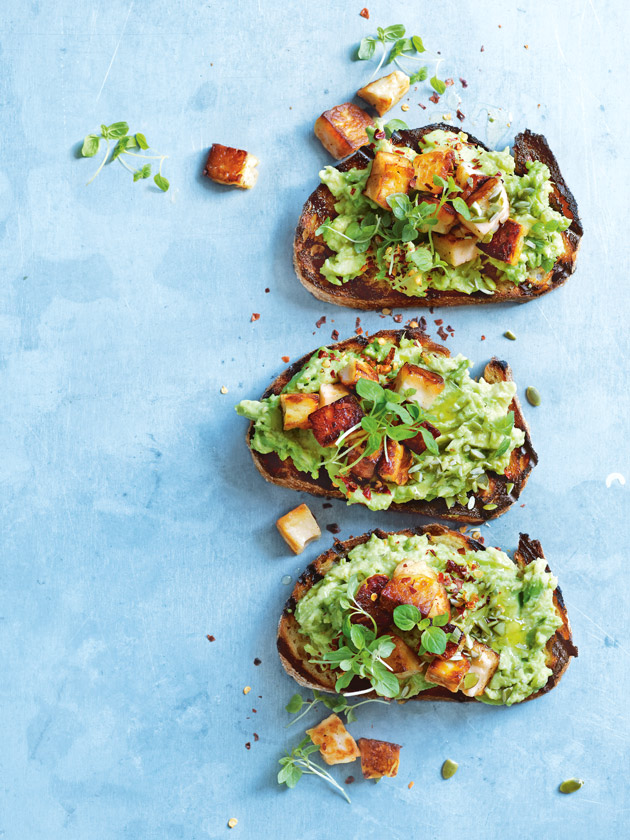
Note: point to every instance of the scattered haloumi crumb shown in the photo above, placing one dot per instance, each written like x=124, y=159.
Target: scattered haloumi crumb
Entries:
x=224, y=390
x=247, y=689
x=410, y=785
x=615, y=477
x=404, y=107
x=413, y=324
x=232, y=822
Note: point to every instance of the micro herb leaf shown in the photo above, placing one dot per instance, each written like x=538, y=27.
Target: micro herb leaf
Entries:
x=392, y=33
x=417, y=42
x=440, y=182
x=419, y=76
x=406, y=616
x=434, y=640
x=440, y=620
x=422, y=259
x=161, y=182
x=366, y=48
x=142, y=173
x=400, y=205
x=295, y=704
x=429, y=441
x=394, y=125
x=115, y=130
x=141, y=140
x=437, y=85
x=503, y=448
x=298, y=763
x=461, y=207
x=369, y=390
x=90, y=145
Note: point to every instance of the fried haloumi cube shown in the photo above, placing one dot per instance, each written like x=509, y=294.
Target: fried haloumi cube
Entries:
x=457, y=247
x=296, y=409
x=335, y=743
x=506, y=244
x=331, y=392
x=448, y=673
x=379, y=758
x=489, y=203
x=391, y=173
x=367, y=597
x=483, y=663
x=234, y=167
x=412, y=586
x=385, y=92
x=330, y=421
x=356, y=369
x=364, y=469
x=298, y=528
x=395, y=462
x=439, y=162
x=426, y=385
x=341, y=130
x=417, y=444
x=446, y=216
x=403, y=660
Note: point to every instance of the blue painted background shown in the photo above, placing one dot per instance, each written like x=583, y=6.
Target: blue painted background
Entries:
x=133, y=521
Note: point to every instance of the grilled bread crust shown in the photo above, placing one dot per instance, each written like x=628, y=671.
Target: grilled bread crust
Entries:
x=521, y=464
x=290, y=642
x=366, y=292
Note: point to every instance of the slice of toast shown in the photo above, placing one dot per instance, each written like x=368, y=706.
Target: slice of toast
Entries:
x=521, y=464
x=290, y=641
x=365, y=292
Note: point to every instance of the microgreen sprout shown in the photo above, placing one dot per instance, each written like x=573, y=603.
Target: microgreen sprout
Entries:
x=433, y=639
x=338, y=704
x=298, y=763
x=125, y=142
x=402, y=48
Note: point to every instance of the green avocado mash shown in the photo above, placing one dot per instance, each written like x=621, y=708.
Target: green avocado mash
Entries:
x=477, y=433
x=364, y=234
x=509, y=609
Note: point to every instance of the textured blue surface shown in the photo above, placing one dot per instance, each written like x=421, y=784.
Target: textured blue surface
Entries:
x=133, y=521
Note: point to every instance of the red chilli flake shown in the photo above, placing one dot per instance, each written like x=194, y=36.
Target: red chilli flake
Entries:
x=464, y=83
x=398, y=319
x=460, y=115
x=422, y=323
x=424, y=107
x=333, y=528
x=442, y=333
x=367, y=493
x=335, y=335
x=326, y=505
x=448, y=82
x=349, y=780
x=439, y=322
x=434, y=98
x=483, y=338
x=267, y=291
x=365, y=13
x=379, y=135
x=321, y=321
x=257, y=661
x=483, y=49
x=248, y=746
x=211, y=638
x=255, y=316
x=286, y=359
x=256, y=736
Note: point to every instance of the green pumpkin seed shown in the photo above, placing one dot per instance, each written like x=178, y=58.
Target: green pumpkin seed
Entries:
x=509, y=334
x=533, y=397
x=470, y=680
x=449, y=768
x=571, y=785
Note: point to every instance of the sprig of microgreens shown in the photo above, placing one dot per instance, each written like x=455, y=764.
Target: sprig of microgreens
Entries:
x=385, y=417
x=361, y=652
x=120, y=132
x=337, y=704
x=406, y=48
x=433, y=639
x=298, y=763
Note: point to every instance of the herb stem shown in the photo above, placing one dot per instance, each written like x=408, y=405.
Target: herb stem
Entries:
x=161, y=158
x=309, y=705
x=316, y=770
x=101, y=166
x=380, y=64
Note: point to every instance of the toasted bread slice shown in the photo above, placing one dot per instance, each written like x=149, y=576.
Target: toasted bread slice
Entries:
x=521, y=464
x=290, y=641
x=365, y=292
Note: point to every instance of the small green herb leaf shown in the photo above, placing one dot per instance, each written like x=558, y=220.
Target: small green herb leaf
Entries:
x=406, y=616
x=392, y=33
x=161, y=182
x=419, y=76
x=437, y=84
x=366, y=48
x=434, y=640
x=461, y=207
x=440, y=620
x=295, y=704
x=394, y=125
x=115, y=130
x=369, y=390
x=90, y=145
x=416, y=40
x=141, y=140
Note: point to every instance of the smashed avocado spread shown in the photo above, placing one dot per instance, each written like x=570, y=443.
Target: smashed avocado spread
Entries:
x=501, y=615
x=409, y=424
x=452, y=217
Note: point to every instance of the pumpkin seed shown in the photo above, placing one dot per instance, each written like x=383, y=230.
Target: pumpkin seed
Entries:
x=571, y=785
x=449, y=768
x=470, y=680
x=533, y=397
x=509, y=334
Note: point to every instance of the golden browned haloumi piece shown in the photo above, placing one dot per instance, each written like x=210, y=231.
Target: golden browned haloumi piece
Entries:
x=483, y=663
x=395, y=462
x=335, y=743
x=489, y=203
x=439, y=162
x=364, y=469
x=341, y=130
x=425, y=384
x=296, y=409
x=234, y=167
x=385, y=92
x=448, y=673
x=402, y=660
x=506, y=244
x=417, y=444
x=457, y=247
x=298, y=527
x=379, y=758
x=357, y=369
x=330, y=421
x=331, y=392
x=445, y=217
x=423, y=591
x=391, y=173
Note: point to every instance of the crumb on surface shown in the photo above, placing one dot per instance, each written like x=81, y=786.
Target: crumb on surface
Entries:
x=232, y=822
x=224, y=389
x=286, y=359
x=255, y=316
x=247, y=689
x=210, y=638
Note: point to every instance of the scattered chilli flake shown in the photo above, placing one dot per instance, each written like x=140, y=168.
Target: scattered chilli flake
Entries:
x=256, y=736
x=334, y=335
x=255, y=316
x=460, y=115
x=615, y=477
x=349, y=780
x=333, y=528
x=247, y=689
x=248, y=745
x=267, y=291
x=483, y=338
x=442, y=333
x=463, y=82
x=438, y=322
x=365, y=13
x=398, y=319
x=211, y=638
x=286, y=359
x=434, y=98
x=320, y=322
x=257, y=661
x=424, y=107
